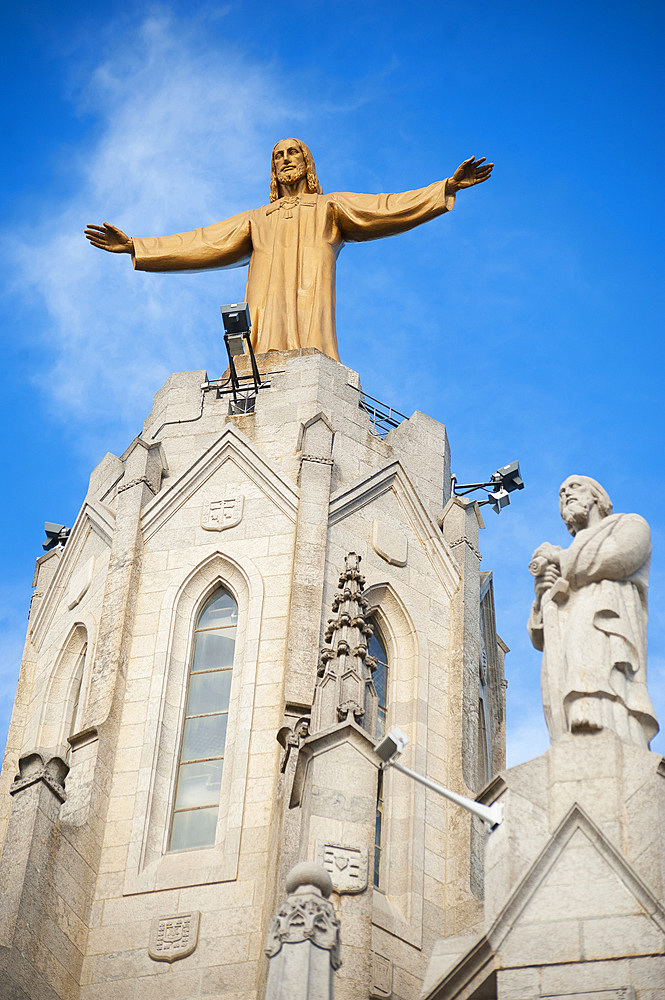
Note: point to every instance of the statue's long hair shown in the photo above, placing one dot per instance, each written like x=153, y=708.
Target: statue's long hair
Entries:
x=313, y=185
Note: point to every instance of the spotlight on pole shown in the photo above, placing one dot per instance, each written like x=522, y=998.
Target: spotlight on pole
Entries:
x=56, y=534
x=508, y=477
x=498, y=487
x=237, y=327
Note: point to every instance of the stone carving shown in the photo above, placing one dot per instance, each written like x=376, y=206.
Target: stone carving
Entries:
x=389, y=544
x=347, y=866
x=381, y=985
x=292, y=244
x=589, y=618
x=174, y=937
x=344, y=687
x=222, y=514
x=307, y=914
x=80, y=584
x=32, y=767
x=290, y=738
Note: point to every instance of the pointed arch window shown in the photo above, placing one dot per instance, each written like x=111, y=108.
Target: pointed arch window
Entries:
x=201, y=761
x=75, y=708
x=377, y=649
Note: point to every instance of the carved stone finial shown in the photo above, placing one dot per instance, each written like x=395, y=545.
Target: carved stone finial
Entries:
x=344, y=686
x=305, y=915
x=309, y=873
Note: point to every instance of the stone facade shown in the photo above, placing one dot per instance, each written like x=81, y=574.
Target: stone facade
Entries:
x=574, y=881
x=267, y=504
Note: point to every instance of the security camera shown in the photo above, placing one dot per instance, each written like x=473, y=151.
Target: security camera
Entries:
x=391, y=746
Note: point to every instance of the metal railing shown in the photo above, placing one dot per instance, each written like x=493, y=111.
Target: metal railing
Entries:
x=383, y=418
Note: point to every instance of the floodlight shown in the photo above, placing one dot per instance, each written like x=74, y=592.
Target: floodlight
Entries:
x=235, y=343
x=391, y=746
x=498, y=499
x=509, y=477
x=56, y=534
x=503, y=481
x=236, y=319
x=244, y=387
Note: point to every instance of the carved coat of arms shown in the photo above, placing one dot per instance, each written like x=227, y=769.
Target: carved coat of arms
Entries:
x=222, y=514
x=347, y=866
x=174, y=937
x=382, y=977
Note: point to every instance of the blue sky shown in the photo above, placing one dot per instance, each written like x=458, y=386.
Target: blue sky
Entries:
x=529, y=320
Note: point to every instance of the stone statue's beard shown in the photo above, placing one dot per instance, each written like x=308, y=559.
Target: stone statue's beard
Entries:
x=292, y=176
x=575, y=515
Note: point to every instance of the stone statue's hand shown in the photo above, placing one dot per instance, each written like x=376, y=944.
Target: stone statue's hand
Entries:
x=109, y=238
x=471, y=172
x=546, y=580
x=544, y=556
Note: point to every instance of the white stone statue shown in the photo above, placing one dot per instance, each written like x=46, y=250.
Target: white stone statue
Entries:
x=590, y=616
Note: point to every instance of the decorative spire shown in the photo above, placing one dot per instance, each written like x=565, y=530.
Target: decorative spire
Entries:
x=344, y=687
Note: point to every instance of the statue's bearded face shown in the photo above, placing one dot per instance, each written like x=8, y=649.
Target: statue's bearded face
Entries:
x=289, y=162
x=575, y=502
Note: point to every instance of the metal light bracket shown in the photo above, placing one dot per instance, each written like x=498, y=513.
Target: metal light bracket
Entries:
x=390, y=748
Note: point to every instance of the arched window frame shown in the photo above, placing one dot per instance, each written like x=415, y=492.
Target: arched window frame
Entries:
x=381, y=678
x=149, y=864
x=220, y=750
x=398, y=901
x=70, y=677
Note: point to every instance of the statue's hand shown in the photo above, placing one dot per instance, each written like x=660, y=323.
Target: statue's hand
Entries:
x=109, y=238
x=471, y=172
x=550, y=553
x=546, y=580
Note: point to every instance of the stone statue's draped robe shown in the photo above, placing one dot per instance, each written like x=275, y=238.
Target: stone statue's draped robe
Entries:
x=593, y=637
x=292, y=246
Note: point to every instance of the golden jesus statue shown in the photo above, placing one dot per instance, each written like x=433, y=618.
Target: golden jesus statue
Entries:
x=292, y=244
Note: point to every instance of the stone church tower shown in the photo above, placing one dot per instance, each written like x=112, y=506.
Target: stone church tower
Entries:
x=247, y=600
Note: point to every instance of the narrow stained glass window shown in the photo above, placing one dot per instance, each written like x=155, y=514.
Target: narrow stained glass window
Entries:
x=377, y=649
x=204, y=731
x=75, y=711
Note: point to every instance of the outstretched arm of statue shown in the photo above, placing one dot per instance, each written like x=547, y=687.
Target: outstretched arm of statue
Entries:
x=363, y=217
x=109, y=238
x=469, y=173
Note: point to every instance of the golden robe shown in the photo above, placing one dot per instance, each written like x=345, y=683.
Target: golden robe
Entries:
x=292, y=246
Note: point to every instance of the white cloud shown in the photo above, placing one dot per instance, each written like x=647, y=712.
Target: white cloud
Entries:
x=182, y=133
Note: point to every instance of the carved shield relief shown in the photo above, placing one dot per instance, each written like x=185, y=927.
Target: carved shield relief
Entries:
x=221, y=514
x=174, y=937
x=347, y=866
x=381, y=986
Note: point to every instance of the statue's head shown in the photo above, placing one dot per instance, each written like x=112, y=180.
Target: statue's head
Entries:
x=291, y=160
x=578, y=496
